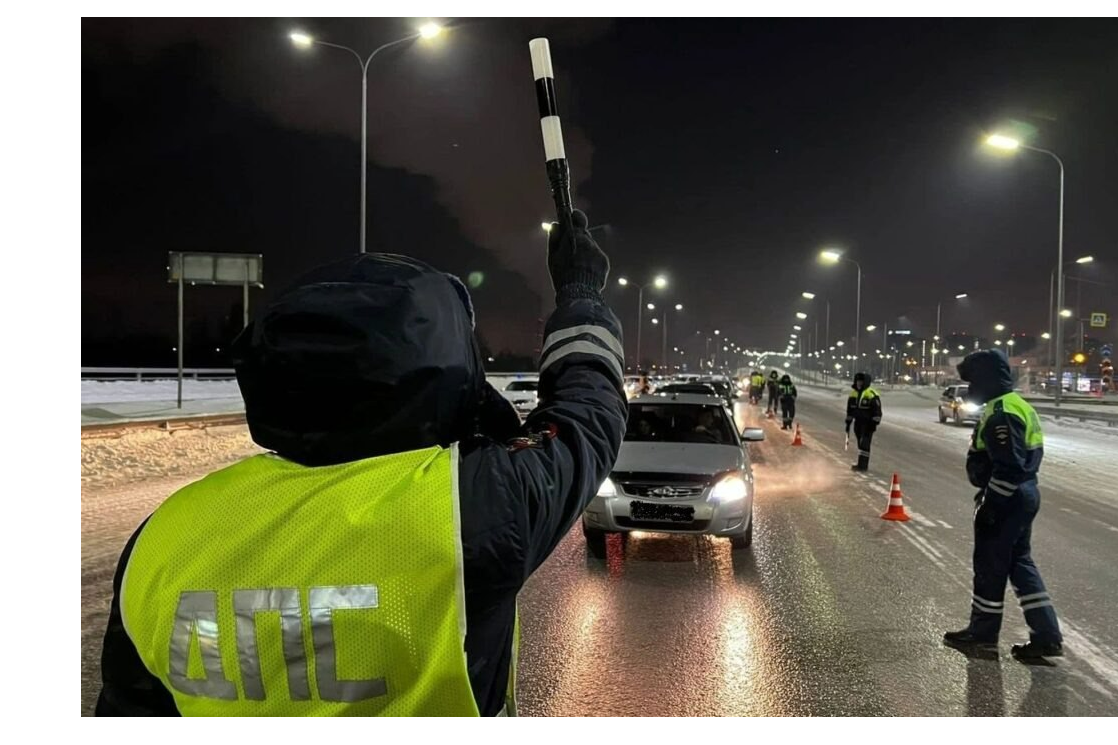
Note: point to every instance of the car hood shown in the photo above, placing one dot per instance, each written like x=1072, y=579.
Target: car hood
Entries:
x=678, y=457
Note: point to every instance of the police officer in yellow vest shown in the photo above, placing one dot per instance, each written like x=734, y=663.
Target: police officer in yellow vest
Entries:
x=1004, y=458
x=369, y=563
x=863, y=410
x=756, y=386
x=788, y=395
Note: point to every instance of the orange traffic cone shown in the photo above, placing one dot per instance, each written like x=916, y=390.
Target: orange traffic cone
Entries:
x=797, y=440
x=896, y=509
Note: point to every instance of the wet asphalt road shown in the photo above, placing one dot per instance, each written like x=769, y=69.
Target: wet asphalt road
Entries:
x=833, y=611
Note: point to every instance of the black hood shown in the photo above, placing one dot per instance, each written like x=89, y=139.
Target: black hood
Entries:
x=987, y=371
x=773, y=374
x=370, y=355
x=786, y=380
x=863, y=376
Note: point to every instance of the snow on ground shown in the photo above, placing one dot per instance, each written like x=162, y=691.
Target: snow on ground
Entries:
x=151, y=453
x=119, y=391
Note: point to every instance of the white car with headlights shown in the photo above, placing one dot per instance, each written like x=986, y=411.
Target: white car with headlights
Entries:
x=954, y=405
x=683, y=468
x=523, y=395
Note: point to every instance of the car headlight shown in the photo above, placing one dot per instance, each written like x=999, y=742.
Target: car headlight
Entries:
x=608, y=488
x=971, y=407
x=730, y=489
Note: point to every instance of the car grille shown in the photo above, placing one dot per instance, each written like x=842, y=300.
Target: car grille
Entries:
x=671, y=485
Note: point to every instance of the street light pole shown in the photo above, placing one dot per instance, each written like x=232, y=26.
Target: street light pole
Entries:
x=303, y=40
x=885, y=345
x=1011, y=143
x=1053, y=311
x=659, y=282
x=640, y=319
x=939, y=305
x=816, y=374
x=664, y=347
x=834, y=256
x=1059, y=281
x=664, y=339
x=827, y=334
x=937, y=347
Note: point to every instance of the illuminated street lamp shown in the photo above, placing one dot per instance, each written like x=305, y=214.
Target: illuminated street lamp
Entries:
x=659, y=282
x=833, y=256
x=801, y=315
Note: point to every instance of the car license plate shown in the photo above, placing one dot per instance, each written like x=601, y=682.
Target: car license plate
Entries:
x=661, y=512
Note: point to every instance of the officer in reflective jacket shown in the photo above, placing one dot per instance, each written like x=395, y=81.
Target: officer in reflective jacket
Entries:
x=369, y=564
x=863, y=410
x=788, y=396
x=1004, y=457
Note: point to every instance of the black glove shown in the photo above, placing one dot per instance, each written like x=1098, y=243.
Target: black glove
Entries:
x=979, y=471
x=848, y=421
x=578, y=267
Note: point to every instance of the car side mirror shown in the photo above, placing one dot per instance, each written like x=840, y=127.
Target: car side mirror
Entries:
x=753, y=434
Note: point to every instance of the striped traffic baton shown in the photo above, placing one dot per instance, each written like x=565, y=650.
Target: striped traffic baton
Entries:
x=558, y=172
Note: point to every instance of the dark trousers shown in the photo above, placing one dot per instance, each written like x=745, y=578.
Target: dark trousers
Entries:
x=788, y=410
x=772, y=400
x=863, y=433
x=1002, y=552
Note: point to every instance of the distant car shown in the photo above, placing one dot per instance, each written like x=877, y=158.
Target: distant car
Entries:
x=633, y=386
x=632, y=382
x=954, y=405
x=683, y=468
x=725, y=390
x=698, y=389
x=523, y=395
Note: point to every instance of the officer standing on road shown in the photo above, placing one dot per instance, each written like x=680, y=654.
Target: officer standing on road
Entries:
x=756, y=386
x=774, y=392
x=383, y=541
x=863, y=410
x=787, y=401
x=1004, y=457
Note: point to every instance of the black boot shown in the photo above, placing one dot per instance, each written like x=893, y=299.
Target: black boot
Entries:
x=1037, y=650
x=964, y=638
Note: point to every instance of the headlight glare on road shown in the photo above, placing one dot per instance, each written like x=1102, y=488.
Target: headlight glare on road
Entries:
x=607, y=489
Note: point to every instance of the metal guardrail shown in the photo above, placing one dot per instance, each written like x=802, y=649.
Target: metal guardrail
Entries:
x=157, y=373
x=1074, y=400
x=1109, y=417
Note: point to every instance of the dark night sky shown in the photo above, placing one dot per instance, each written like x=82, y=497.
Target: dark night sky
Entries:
x=723, y=152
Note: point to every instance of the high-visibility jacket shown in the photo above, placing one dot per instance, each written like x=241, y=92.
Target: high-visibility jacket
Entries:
x=1007, y=446
x=864, y=407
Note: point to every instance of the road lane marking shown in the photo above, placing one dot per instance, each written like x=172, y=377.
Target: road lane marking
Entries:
x=941, y=522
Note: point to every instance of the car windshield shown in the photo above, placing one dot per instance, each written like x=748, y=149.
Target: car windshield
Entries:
x=961, y=391
x=522, y=385
x=697, y=423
